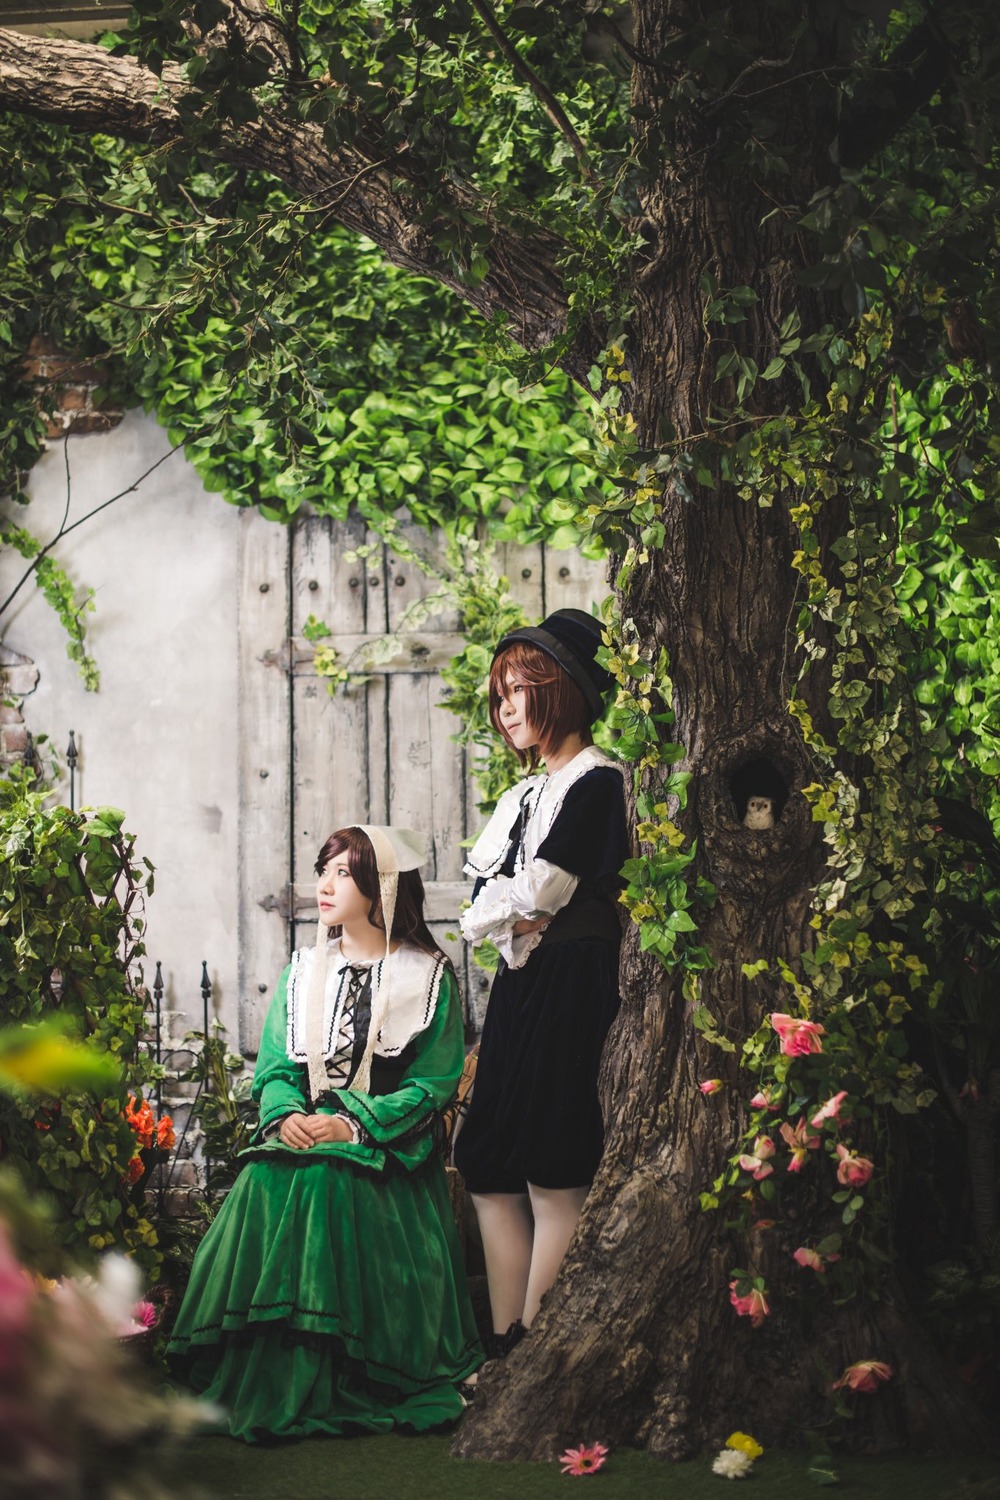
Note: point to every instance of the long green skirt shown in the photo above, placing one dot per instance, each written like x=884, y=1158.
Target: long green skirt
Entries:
x=328, y=1299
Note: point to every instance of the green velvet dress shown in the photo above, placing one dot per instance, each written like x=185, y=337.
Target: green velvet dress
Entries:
x=328, y=1295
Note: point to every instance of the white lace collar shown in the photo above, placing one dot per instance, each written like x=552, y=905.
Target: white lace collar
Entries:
x=416, y=982
x=541, y=798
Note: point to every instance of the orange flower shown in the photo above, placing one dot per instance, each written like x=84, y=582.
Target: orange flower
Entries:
x=165, y=1137
x=141, y=1120
x=134, y=1171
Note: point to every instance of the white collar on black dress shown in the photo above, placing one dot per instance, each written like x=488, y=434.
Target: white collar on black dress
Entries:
x=541, y=797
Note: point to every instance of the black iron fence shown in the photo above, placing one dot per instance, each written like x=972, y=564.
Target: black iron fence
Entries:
x=205, y=1090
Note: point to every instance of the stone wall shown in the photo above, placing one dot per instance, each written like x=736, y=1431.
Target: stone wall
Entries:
x=159, y=739
x=71, y=390
x=18, y=679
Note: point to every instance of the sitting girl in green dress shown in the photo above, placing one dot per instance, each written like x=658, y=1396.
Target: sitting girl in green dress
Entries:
x=328, y=1295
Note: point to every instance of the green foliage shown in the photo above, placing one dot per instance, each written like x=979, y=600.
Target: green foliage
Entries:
x=70, y=894
x=293, y=363
x=470, y=585
x=862, y=409
x=223, y=1107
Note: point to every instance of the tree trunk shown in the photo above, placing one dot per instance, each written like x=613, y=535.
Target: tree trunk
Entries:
x=637, y=1342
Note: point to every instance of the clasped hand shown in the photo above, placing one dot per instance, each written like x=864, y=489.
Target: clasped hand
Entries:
x=530, y=924
x=304, y=1131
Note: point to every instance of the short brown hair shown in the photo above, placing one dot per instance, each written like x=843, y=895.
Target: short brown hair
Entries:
x=408, y=923
x=554, y=705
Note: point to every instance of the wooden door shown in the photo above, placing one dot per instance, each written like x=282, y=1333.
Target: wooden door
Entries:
x=379, y=751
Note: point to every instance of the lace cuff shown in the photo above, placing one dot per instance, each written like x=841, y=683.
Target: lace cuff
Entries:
x=356, y=1132
x=539, y=890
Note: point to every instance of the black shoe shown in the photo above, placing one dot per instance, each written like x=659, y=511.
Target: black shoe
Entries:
x=501, y=1344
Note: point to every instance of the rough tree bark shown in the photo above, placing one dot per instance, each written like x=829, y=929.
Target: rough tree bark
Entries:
x=637, y=1342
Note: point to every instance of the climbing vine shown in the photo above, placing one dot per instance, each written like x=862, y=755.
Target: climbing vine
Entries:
x=71, y=891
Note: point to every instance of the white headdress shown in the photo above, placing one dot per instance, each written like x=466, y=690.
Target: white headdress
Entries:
x=396, y=850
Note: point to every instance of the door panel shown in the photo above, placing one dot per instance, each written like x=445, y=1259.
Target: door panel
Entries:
x=377, y=751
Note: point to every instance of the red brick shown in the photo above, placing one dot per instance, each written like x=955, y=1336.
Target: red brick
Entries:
x=14, y=739
x=95, y=421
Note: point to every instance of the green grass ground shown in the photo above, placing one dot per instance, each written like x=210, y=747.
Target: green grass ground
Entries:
x=396, y=1467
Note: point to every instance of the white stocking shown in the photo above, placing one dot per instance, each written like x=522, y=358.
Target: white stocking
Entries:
x=555, y=1211
x=505, y=1225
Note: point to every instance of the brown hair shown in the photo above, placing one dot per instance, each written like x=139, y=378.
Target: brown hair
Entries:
x=408, y=924
x=554, y=705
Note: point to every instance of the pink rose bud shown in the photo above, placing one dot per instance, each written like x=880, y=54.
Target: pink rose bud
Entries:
x=864, y=1376
x=830, y=1110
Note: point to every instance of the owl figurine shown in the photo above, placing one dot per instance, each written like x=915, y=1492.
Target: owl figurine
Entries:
x=759, y=813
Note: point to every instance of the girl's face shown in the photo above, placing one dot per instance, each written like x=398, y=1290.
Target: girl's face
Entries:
x=513, y=714
x=341, y=903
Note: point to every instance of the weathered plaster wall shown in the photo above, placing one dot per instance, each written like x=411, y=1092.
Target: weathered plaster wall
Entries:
x=160, y=737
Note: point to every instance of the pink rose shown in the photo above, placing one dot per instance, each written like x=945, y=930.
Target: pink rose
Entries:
x=799, y=1141
x=711, y=1086
x=753, y=1306
x=798, y=1038
x=853, y=1171
x=864, y=1376
x=830, y=1110
x=762, y=1100
x=758, y=1162
x=816, y=1260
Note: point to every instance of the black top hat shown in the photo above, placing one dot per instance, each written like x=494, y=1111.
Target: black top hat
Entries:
x=572, y=638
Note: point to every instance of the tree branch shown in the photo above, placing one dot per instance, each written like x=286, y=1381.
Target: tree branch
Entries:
x=87, y=89
x=527, y=74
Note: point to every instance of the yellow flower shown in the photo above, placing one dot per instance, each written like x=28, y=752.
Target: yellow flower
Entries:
x=743, y=1443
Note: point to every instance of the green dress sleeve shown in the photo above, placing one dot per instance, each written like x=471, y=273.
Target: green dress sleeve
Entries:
x=280, y=1084
x=402, y=1125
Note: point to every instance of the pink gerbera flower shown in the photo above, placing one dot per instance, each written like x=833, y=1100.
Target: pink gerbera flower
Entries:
x=583, y=1460
x=144, y=1313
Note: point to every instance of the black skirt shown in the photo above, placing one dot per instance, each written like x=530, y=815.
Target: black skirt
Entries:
x=535, y=1116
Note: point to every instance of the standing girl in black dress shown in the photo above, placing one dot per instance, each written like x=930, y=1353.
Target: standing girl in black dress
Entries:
x=547, y=869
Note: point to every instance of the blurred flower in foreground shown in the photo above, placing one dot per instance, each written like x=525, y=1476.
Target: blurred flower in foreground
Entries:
x=77, y=1415
x=46, y=1060
x=15, y=1310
